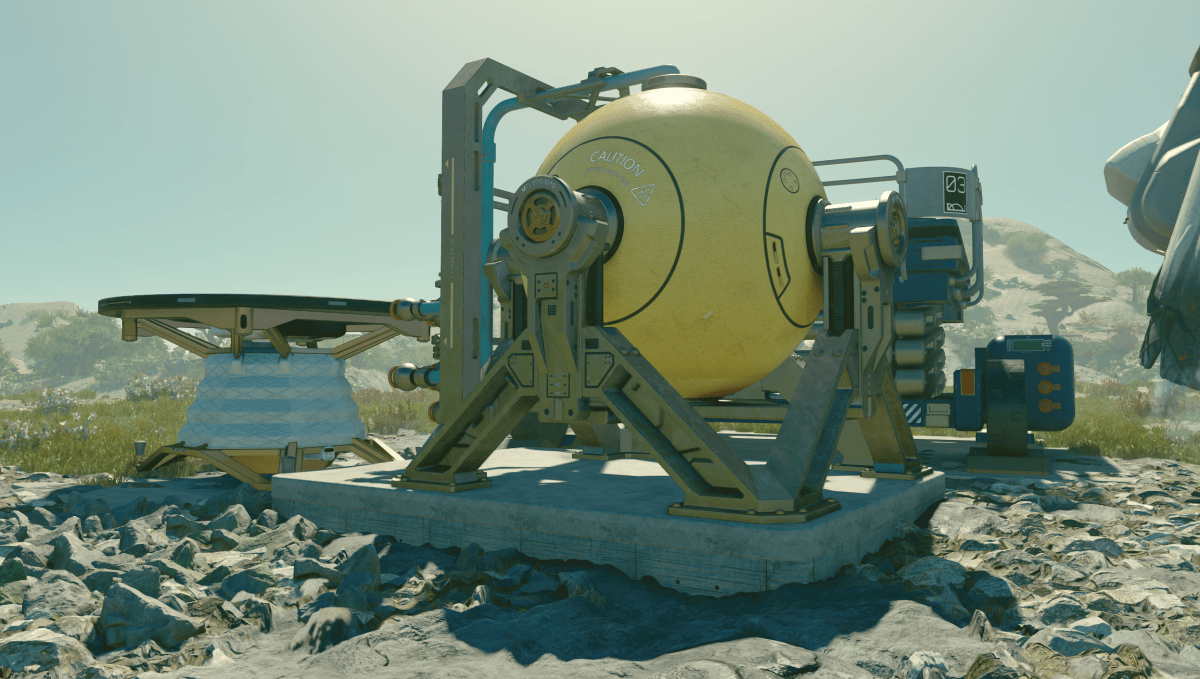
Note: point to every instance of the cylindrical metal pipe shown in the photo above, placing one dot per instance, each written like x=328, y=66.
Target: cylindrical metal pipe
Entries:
x=409, y=309
x=407, y=377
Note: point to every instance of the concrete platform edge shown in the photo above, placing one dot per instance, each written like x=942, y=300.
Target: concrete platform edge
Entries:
x=739, y=557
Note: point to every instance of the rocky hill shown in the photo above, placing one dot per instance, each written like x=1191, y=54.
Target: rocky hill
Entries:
x=1105, y=325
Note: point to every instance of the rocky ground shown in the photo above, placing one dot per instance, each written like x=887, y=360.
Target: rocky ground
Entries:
x=1005, y=578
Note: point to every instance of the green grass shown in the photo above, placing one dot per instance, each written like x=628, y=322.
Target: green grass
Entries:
x=386, y=413
x=55, y=440
x=63, y=436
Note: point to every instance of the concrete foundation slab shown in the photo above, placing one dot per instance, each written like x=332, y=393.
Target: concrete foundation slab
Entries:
x=551, y=506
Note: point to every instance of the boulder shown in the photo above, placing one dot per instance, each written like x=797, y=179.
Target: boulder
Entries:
x=138, y=539
x=145, y=579
x=43, y=651
x=254, y=580
x=234, y=519
x=933, y=572
x=73, y=555
x=922, y=665
x=1062, y=610
x=953, y=519
x=55, y=594
x=82, y=628
x=327, y=628
x=129, y=617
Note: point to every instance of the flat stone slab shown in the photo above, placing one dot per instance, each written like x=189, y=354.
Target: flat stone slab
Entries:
x=551, y=506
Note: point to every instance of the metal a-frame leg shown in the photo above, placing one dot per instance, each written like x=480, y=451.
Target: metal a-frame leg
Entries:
x=893, y=450
x=450, y=459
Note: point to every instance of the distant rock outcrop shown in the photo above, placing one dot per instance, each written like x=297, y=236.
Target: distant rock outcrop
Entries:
x=1036, y=283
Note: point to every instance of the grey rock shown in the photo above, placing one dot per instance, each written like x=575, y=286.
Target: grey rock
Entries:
x=42, y=517
x=481, y=596
x=1068, y=642
x=269, y=519
x=55, y=594
x=933, y=572
x=1025, y=506
x=364, y=560
x=72, y=554
x=177, y=525
x=1061, y=610
x=33, y=556
x=351, y=597
x=12, y=570
x=81, y=628
x=145, y=579
x=217, y=614
x=991, y=666
x=995, y=596
x=138, y=539
x=233, y=519
x=308, y=589
x=325, y=600
x=323, y=537
x=1090, y=513
x=474, y=558
x=1054, y=502
x=327, y=628
x=253, y=501
x=9, y=613
x=946, y=604
x=1155, y=647
x=1063, y=574
x=216, y=575
x=580, y=583
x=185, y=552
x=78, y=504
x=1087, y=561
x=953, y=519
x=223, y=541
x=55, y=655
x=1092, y=625
x=92, y=526
x=101, y=579
x=261, y=614
x=538, y=582
x=254, y=580
x=922, y=665
x=288, y=553
x=173, y=601
x=1082, y=543
x=129, y=617
x=170, y=569
x=1185, y=629
x=514, y=577
x=306, y=568
x=105, y=671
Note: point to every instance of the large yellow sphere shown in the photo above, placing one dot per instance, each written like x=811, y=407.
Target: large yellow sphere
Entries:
x=712, y=279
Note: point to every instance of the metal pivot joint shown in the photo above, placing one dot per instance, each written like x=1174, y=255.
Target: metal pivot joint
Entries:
x=861, y=246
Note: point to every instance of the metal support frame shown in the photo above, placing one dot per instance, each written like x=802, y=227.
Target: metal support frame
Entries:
x=291, y=458
x=558, y=362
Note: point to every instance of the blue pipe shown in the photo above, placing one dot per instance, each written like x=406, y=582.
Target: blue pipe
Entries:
x=488, y=180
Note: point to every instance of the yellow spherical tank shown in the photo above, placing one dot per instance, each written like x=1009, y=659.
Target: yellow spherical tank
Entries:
x=711, y=279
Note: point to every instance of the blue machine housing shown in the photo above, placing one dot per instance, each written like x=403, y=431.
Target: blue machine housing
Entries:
x=1049, y=363
x=935, y=255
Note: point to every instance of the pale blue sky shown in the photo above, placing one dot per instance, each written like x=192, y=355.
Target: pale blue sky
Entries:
x=292, y=147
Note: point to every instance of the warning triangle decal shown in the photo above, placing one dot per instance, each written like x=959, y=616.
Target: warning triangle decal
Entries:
x=643, y=193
